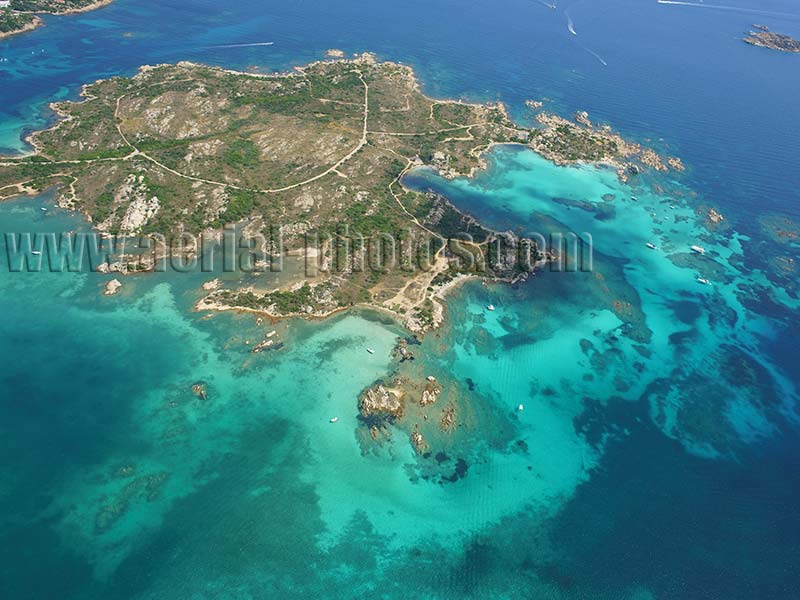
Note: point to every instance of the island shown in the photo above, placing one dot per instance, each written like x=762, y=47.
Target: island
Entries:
x=765, y=38
x=307, y=161
x=18, y=16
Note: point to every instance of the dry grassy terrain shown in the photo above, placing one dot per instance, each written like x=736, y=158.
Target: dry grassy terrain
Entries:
x=190, y=148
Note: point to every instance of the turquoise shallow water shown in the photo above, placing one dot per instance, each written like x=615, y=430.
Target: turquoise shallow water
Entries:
x=663, y=325
x=655, y=454
x=142, y=453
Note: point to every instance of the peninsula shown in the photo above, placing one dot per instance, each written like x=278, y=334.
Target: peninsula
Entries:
x=765, y=38
x=19, y=16
x=320, y=151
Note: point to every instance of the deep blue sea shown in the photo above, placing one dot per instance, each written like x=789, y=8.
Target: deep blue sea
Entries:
x=658, y=450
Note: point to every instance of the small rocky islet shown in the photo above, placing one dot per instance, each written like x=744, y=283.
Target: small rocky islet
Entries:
x=762, y=37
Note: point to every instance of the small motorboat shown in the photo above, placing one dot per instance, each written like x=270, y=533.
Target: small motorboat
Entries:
x=698, y=249
x=335, y=420
x=43, y=209
x=704, y=281
x=634, y=198
x=651, y=246
x=36, y=252
x=490, y=308
x=521, y=407
x=370, y=350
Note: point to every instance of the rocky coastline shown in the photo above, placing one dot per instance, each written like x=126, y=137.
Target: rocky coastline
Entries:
x=566, y=142
x=417, y=300
x=34, y=23
x=47, y=8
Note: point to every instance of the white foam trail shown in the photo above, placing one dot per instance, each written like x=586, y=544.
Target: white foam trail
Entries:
x=570, y=24
x=244, y=45
x=754, y=11
x=550, y=6
x=596, y=55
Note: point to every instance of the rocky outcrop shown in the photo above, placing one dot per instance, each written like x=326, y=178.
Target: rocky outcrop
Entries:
x=419, y=443
x=448, y=422
x=139, y=214
x=430, y=392
x=112, y=287
x=534, y=104
x=128, y=264
x=765, y=38
x=402, y=353
x=676, y=163
x=378, y=405
x=582, y=117
x=567, y=142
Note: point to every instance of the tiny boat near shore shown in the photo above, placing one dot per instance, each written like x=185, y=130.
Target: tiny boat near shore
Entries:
x=335, y=420
x=490, y=308
x=36, y=253
x=703, y=280
x=698, y=249
x=651, y=246
x=370, y=350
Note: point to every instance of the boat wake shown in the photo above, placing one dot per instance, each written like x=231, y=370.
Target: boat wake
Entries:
x=740, y=9
x=244, y=45
x=596, y=55
x=570, y=24
x=547, y=4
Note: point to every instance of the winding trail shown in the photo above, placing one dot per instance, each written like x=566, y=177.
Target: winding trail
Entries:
x=333, y=169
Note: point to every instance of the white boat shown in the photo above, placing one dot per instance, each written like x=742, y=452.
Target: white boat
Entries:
x=36, y=253
x=521, y=407
x=651, y=246
x=335, y=420
x=490, y=308
x=698, y=249
x=43, y=209
x=634, y=198
x=370, y=350
x=704, y=281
